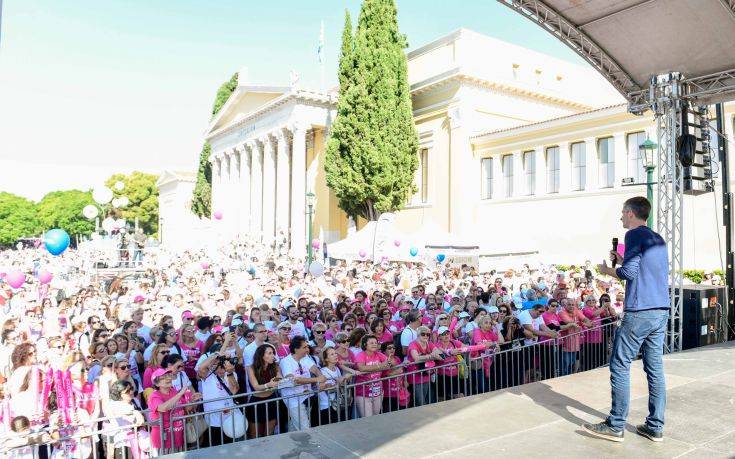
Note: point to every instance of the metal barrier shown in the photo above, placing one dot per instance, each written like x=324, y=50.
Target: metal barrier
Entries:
x=515, y=365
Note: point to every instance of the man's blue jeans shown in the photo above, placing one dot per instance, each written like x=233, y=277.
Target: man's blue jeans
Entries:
x=644, y=331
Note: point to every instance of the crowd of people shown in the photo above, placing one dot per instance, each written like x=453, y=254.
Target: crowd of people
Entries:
x=193, y=346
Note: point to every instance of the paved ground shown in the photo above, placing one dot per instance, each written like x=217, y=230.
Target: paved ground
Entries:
x=540, y=420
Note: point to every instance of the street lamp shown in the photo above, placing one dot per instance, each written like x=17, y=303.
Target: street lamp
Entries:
x=309, y=211
x=647, y=151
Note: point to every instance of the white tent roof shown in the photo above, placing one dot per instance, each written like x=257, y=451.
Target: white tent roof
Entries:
x=629, y=41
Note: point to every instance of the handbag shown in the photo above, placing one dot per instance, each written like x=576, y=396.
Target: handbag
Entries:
x=342, y=399
x=195, y=428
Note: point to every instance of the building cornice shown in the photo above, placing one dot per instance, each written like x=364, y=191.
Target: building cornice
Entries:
x=328, y=101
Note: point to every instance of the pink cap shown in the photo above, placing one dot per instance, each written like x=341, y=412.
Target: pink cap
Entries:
x=139, y=299
x=187, y=315
x=158, y=373
x=217, y=329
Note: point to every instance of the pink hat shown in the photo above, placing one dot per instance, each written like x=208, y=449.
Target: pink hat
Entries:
x=217, y=329
x=187, y=315
x=158, y=373
x=139, y=299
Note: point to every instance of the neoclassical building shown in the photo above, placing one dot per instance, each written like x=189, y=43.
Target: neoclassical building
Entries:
x=521, y=152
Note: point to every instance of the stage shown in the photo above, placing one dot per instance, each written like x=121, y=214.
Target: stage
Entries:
x=540, y=420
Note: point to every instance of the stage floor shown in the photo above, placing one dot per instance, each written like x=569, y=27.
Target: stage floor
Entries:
x=540, y=420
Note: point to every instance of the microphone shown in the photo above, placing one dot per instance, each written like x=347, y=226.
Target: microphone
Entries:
x=615, y=249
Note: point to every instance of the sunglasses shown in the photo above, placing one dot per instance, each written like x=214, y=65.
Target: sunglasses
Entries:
x=164, y=352
x=218, y=341
x=123, y=367
x=286, y=328
x=342, y=341
x=109, y=365
x=319, y=332
x=425, y=334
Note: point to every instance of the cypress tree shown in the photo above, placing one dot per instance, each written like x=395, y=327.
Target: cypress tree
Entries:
x=201, y=202
x=371, y=153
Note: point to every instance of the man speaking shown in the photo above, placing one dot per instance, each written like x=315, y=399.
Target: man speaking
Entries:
x=645, y=268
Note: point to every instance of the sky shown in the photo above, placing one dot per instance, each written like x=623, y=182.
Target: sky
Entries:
x=89, y=88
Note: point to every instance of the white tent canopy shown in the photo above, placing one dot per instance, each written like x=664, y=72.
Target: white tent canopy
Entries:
x=380, y=240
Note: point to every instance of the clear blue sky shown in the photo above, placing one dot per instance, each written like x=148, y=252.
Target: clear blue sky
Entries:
x=88, y=87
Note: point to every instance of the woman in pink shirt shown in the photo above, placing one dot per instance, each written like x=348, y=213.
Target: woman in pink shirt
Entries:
x=379, y=331
x=369, y=389
x=344, y=355
x=571, y=335
x=594, y=353
x=485, y=333
x=424, y=354
x=449, y=385
x=395, y=389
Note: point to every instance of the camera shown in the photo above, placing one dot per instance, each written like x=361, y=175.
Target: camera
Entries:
x=222, y=359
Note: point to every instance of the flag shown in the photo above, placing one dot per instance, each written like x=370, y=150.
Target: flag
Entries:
x=320, y=49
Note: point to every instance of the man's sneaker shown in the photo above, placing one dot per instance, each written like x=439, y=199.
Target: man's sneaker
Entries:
x=603, y=430
x=646, y=431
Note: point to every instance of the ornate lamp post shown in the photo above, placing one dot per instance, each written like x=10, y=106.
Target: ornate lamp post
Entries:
x=310, y=212
x=647, y=150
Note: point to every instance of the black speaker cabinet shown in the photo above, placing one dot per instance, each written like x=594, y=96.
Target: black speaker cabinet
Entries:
x=701, y=306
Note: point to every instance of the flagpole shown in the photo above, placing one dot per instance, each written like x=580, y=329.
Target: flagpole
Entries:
x=321, y=54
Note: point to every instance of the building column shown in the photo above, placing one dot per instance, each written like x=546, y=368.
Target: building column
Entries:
x=565, y=168
x=592, y=164
x=519, y=187
x=498, y=179
x=243, y=191
x=621, y=159
x=269, y=188
x=283, y=185
x=256, y=190
x=463, y=170
x=541, y=171
x=235, y=192
x=298, y=190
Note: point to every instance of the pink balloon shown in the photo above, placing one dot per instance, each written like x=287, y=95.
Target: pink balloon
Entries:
x=397, y=243
x=16, y=279
x=36, y=243
x=315, y=243
x=2, y=275
x=205, y=265
x=218, y=215
x=45, y=277
x=362, y=254
x=621, y=249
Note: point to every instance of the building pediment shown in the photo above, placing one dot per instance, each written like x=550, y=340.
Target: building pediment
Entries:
x=244, y=101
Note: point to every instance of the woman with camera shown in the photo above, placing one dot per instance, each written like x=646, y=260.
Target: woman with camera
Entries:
x=218, y=384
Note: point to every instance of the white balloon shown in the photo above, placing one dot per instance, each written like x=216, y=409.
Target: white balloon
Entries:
x=95, y=236
x=90, y=211
x=124, y=201
x=102, y=195
x=316, y=269
x=108, y=224
x=120, y=223
x=115, y=203
x=119, y=186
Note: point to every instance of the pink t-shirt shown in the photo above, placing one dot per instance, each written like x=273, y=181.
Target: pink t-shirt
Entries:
x=594, y=335
x=392, y=386
x=449, y=365
x=157, y=398
x=367, y=383
x=386, y=337
x=550, y=318
x=147, y=377
x=283, y=351
x=424, y=376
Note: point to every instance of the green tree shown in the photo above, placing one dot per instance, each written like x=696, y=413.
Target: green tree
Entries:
x=142, y=192
x=201, y=203
x=17, y=218
x=372, y=150
x=63, y=209
x=346, y=57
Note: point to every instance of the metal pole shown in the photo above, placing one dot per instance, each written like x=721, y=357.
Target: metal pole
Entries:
x=308, y=240
x=727, y=201
x=649, y=193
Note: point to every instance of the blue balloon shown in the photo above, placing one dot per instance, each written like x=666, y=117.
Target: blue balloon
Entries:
x=56, y=240
x=414, y=251
x=440, y=257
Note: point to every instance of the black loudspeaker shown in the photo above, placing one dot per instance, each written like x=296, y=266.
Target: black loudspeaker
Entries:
x=701, y=309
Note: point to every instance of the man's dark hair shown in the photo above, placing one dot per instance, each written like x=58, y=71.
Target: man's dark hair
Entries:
x=204, y=323
x=640, y=207
x=296, y=343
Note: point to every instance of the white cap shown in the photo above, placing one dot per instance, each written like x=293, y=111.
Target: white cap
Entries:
x=493, y=309
x=442, y=330
x=237, y=322
x=464, y=314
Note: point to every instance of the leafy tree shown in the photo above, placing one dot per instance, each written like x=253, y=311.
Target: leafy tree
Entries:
x=201, y=203
x=142, y=192
x=372, y=151
x=17, y=218
x=63, y=209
